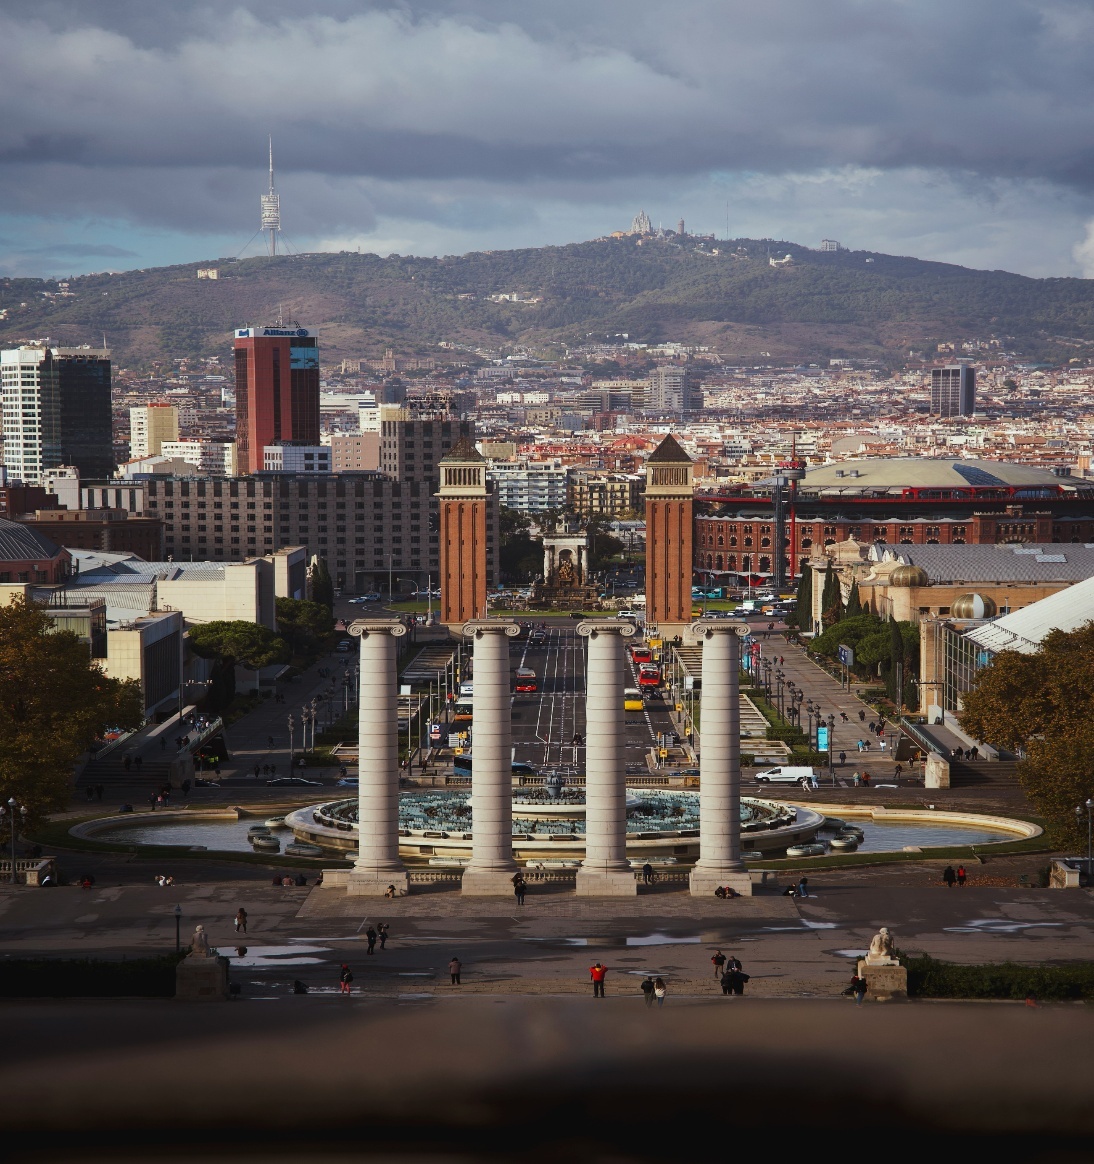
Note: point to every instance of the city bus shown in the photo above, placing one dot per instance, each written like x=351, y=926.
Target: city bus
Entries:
x=464, y=712
x=632, y=699
x=524, y=680
x=640, y=653
x=649, y=675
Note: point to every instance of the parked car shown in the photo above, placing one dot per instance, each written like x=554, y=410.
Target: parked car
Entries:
x=295, y=780
x=345, y=646
x=348, y=782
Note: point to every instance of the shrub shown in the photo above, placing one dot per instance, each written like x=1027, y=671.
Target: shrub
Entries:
x=928, y=978
x=89, y=978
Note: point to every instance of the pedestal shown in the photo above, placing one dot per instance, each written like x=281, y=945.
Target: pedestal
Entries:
x=703, y=882
x=201, y=979
x=595, y=883
x=366, y=884
x=884, y=983
x=486, y=883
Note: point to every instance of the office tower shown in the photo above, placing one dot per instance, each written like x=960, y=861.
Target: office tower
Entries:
x=277, y=390
x=953, y=390
x=151, y=425
x=671, y=389
x=411, y=449
x=56, y=411
x=670, y=492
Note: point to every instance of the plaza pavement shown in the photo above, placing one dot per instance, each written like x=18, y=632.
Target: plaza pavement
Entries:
x=792, y=948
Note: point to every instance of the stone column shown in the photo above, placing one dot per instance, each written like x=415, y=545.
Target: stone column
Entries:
x=605, y=872
x=378, y=864
x=720, y=760
x=492, y=866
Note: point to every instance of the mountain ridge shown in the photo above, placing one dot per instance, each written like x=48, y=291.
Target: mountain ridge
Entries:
x=820, y=305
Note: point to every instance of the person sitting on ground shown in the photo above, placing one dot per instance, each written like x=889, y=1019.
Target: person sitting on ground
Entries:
x=390, y=891
x=790, y=891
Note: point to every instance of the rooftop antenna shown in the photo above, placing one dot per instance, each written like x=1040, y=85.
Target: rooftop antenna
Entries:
x=271, y=211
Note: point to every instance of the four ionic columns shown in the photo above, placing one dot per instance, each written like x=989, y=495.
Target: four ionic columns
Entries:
x=606, y=870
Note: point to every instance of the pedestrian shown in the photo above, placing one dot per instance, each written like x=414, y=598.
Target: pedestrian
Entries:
x=381, y=933
x=862, y=716
x=185, y=788
x=856, y=779
x=127, y=762
x=257, y=771
x=858, y=988
x=897, y=770
x=843, y=716
x=370, y=937
x=803, y=887
x=659, y=991
x=962, y=876
x=269, y=741
x=345, y=978
x=866, y=779
x=647, y=990
x=454, y=968
x=241, y=920
x=597, y=973
x=949, y=876
x=736, y=980
x=719, y=961
x=873, y=726
x=647, y=874
x=842, y=759
x=152, y=801
x=89, y=793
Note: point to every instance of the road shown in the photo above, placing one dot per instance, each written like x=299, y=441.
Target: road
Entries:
x=544, y=724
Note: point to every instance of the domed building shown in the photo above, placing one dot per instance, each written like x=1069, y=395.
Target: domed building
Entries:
x=892, y=501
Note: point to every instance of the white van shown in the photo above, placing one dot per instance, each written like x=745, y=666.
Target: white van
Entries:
x=785, y=775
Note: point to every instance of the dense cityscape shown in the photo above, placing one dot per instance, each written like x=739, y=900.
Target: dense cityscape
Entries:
x=663, y=657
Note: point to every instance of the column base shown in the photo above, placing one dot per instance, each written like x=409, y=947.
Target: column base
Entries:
x=600, y=883
x=368, y=883
x=703, y=882
x=487, y=883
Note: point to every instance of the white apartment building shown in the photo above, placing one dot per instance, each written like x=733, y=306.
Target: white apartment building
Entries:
x=529, y=486
x=150, y=426
x=217, y=458
x=296, y=458
x=31, y=426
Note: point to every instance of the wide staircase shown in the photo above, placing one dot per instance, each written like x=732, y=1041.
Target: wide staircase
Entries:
x=997, y=773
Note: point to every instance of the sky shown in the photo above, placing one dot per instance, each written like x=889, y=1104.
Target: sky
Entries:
x=134, y=134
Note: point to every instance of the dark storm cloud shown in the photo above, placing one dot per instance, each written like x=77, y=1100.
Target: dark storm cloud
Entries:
x=158, y=113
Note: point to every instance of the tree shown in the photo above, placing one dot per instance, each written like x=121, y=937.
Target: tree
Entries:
x=231, y=644
x=520, y=556
x=831, y=597
x=302, y=623
x=56, y=702
x=803, y=607
x=322, y=588
x=1038, y=705
x=854, y=602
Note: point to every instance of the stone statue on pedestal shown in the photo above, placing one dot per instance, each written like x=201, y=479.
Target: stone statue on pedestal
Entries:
x=199, y=945
x=881, y=949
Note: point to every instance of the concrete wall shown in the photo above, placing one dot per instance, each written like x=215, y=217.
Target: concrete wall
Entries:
x=246, y=594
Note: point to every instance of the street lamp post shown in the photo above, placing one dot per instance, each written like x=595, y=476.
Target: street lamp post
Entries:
x=292, y=726
x=178, y=919
x=15, y=812
x=831, y=745
x=1089, y=806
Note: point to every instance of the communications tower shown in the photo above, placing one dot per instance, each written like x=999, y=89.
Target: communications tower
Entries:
x=271, y=211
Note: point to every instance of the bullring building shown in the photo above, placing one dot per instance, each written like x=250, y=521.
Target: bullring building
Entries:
x=893, y=500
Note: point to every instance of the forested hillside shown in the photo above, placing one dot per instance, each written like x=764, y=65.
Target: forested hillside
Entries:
x=849, y=303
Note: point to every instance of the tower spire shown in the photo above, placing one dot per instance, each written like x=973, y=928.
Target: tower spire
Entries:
x=271, y=210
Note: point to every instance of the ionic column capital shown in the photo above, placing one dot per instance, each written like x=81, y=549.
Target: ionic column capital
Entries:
x=478, y=627
x=707, y=628
x=592, y=627
x=363, y=627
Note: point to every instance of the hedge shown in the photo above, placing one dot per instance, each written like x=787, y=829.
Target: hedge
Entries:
x=928, y=978
x=89, y=978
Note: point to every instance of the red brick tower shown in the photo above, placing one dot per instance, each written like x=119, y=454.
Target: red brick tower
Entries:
x=670, y=490
x=463, y=502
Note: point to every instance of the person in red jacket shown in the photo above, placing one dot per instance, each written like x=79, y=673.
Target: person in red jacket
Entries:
x=597, y=973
